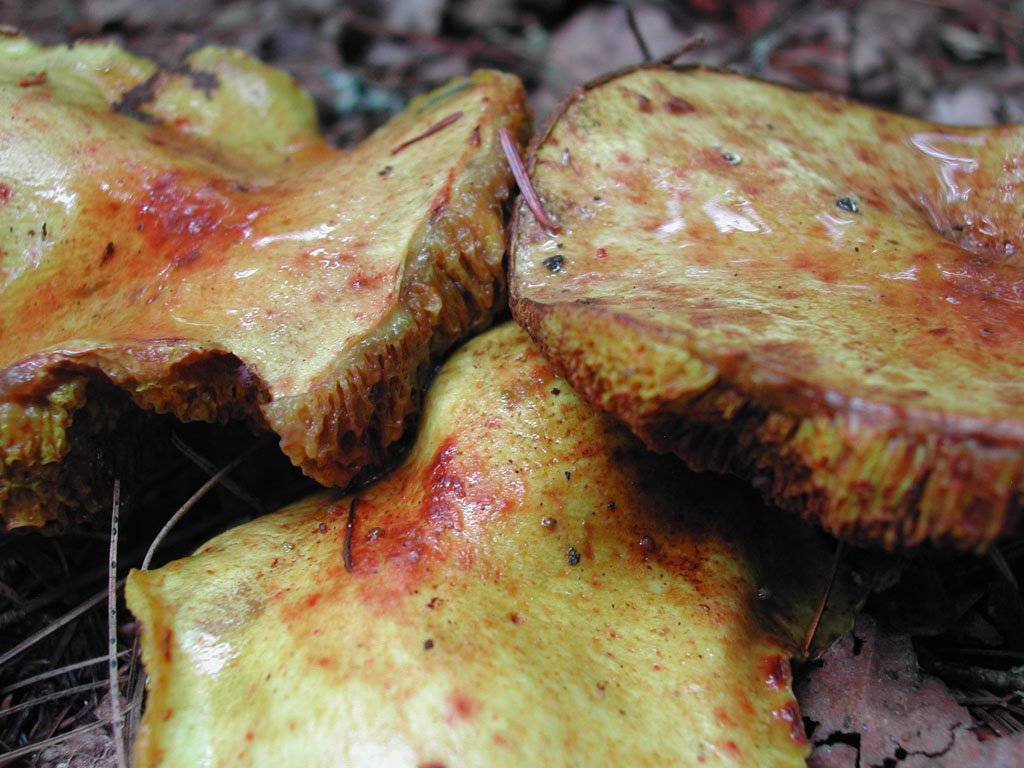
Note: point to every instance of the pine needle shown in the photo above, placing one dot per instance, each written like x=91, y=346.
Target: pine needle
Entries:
x=812, y=630
x=52, y=696
x=53, y=626
x=117, y=721
x=192, y=501
x=211, y=469
x=135, y=689
x=57, y=672
x=522, y=177
x=28, y=749
x=634, y=27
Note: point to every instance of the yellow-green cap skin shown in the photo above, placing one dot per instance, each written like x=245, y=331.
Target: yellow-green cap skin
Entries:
x=186, y=235
x=530, y=587
x=820, y=297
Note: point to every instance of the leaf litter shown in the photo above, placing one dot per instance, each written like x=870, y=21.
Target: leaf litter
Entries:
x=868, y=699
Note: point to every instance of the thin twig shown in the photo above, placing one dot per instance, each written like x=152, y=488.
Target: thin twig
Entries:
x=346, y=550
x=115, y=684
x=691, y=44
x=515, y=162
x=192, y=501
x=971, y=675
x=438, y=126
x=820, y=611
x=637, y=35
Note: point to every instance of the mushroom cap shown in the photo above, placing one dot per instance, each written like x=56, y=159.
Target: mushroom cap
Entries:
x=186, y=237
x=820, y=297
x=531, y=586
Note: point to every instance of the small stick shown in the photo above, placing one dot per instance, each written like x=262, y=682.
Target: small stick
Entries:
x=515, y=162
x=438, y=126
x=635, y=29
x=693, y=43
x=115, y=685
x=346, y=550
x=813, y=628
x=971, y=675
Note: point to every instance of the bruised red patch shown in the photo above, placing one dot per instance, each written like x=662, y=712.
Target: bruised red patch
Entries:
x=441, y=201
x=642, y=102
x=183, y=219
x=406, y=543
x=775, y=672
x=166, y=643
x=36, y=78
x=457, y=502
x=790, y=715
x=674, y=105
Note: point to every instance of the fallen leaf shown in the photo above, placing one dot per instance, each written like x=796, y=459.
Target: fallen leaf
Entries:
x=870, y=696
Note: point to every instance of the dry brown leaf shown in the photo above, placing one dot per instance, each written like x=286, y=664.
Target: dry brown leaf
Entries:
x=870, y=701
